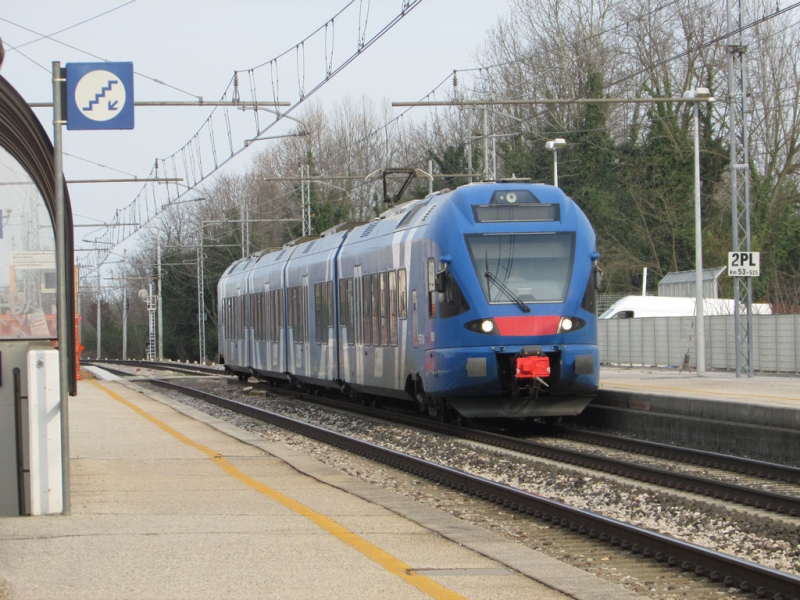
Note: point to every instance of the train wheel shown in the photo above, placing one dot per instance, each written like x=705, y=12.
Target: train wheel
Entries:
x=242, y=377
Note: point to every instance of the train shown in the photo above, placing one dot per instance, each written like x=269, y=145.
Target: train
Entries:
x=475, y=302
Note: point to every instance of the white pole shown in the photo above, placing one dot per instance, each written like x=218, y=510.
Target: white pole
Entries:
x=125, y=306
x=698, y=250
x=644, y=282
x=160, y=316
x=99, y=316
x=63, y=319
x=555, y=167
x=485, y=144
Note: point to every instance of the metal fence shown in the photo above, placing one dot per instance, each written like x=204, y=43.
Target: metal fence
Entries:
x=670, y=342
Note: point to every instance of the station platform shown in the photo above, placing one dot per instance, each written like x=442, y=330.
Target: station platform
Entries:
x=168, y=502
x=756, y=417
x=776, y=390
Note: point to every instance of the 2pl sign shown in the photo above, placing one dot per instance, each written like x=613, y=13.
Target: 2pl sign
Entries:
x=744, y=264
x=100, y=95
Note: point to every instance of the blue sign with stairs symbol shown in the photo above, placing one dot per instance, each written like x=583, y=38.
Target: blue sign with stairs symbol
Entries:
x=100, y=95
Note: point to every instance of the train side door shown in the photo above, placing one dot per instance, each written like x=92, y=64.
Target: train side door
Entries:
x=358, y=325
x=306, y=334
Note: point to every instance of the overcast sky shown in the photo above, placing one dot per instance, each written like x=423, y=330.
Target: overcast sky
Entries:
x=196, y=46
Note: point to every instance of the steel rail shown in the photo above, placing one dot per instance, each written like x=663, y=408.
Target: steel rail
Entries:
x=735, y=464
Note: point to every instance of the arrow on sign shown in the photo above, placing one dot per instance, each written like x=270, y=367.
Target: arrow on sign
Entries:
x=112, y=105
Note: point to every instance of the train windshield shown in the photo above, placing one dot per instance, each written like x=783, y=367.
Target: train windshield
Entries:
x=523, y=268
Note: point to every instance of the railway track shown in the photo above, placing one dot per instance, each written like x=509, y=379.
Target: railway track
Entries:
x=748, y=495
x=731, y=571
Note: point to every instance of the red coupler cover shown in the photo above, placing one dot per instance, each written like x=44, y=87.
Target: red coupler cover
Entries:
x=529, y=367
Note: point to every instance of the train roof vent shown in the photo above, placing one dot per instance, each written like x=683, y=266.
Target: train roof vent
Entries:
x=427, y=212
x=369, y=229
x=280, y=256
x=309, y=247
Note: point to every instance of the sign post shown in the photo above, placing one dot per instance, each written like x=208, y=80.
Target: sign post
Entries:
x=99, y=96
x=62, y=302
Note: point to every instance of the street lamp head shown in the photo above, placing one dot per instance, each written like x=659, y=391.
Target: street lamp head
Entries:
x=701, y=93
x=556, y=144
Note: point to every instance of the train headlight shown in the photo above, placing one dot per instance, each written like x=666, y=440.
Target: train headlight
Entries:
x=568, y=324
x=482, y=326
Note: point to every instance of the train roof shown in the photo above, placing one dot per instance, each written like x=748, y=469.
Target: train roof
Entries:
x=488, y=201
x=505, y=200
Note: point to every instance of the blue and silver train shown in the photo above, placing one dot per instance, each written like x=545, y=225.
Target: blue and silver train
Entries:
x=473, y=302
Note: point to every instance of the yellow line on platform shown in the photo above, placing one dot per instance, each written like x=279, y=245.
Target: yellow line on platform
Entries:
x=394, y=565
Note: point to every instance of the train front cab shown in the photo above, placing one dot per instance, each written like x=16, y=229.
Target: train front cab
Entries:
x=504, y=302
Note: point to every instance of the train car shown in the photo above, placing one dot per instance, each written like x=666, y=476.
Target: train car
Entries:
x=233, y=316
x=478, y=302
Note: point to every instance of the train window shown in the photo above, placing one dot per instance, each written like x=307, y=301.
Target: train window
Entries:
x=267, y=314
x=296, y=314
x=376, y=309
x=320, y=310
x=241, y=317
x=231, y=319
x=280, y=315
x=384, y=299
x=304, y=306
x=393, y=308
x=431, y=275
x=272, y=316
x=231, y=332
x=329, y=295
x=366, y=290
x=402, y=299
x=262, y=316
x=358, y=307
x=342, y=303
x=277, y=314
x=452, y=301
x=290, y=308
x=523, y=268
x=431, y=288
x=255, y=306
x=346, y=308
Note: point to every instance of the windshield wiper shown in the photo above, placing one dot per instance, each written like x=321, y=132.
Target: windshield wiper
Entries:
x=491, y=277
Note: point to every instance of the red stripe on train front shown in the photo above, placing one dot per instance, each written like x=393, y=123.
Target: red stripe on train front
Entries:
x=527, y=326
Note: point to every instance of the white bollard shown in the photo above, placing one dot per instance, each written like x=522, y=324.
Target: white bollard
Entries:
x=44, y=418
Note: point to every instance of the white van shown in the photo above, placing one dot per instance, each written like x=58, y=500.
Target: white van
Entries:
x=635, y=307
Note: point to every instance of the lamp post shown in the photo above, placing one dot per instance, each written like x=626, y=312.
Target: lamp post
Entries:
x=698, y=95
x=554, y=145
